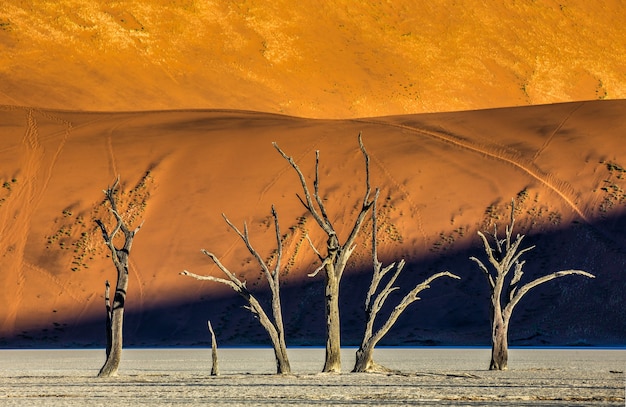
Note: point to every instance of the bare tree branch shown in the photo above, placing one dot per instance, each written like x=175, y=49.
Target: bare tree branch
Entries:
x=482, y=267
x=528, y=286
x=321, y=267
x=319, y=255
x=279, y=245
x=232, y=277
x=229, y=283
x=309, y=201
x=316, y=190
x=367, y=204
x=246, y=239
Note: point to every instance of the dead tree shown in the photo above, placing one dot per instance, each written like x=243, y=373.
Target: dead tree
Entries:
x=376, y=298
x=504, y=257
x=274, y=328
x=215, y=371
x=337, y=254
x=115, y=312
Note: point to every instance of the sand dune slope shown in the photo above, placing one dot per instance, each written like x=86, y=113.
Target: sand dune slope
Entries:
x=442, y=177
x=336, y=60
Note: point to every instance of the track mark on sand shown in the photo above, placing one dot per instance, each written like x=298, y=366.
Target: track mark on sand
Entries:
x=55, y=280
x=109, y=141
x=286, y=168
x=559, y=187
x=404, y=191
x=109, y=144
x=55, y=157
x=556, y=130
x=140, y=284
x=16, y=215
x=111, y=155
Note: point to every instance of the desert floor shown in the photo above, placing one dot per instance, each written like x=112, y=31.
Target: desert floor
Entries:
x=435, y=376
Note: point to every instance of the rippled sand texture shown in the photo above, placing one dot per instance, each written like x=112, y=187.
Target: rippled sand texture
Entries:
x=340, y=59
x=429, y=377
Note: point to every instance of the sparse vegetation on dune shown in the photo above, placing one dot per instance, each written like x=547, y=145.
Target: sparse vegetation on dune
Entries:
x=175, y=51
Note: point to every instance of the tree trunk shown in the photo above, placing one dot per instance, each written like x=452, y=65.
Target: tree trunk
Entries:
x=114, y=356
x=109, y=321
x=214, y=363
x=364, y=359
x=280, y=349
x=499, y=342
x=282, y=361
x=333, y=329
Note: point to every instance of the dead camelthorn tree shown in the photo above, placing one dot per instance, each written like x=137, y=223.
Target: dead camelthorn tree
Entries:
x=337, y=254
x=504, y=258
x=273, y=327
x=115, y=311
x=376, y=298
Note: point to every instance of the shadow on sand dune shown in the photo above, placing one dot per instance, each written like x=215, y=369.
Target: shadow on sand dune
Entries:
x=568, y=311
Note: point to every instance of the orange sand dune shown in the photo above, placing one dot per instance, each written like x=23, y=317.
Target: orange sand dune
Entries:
x=336, y=60
x=442, y=177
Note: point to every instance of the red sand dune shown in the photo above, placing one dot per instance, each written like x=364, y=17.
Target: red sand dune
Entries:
x=336, y=60
x=442, y=176
x=90, y=91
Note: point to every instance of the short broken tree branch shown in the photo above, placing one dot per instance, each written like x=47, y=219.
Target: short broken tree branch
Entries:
x=308, y=238
x=273, y=327
x=214, y=362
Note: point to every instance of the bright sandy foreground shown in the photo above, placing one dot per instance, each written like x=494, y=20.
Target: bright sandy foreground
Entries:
x=434, y=376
